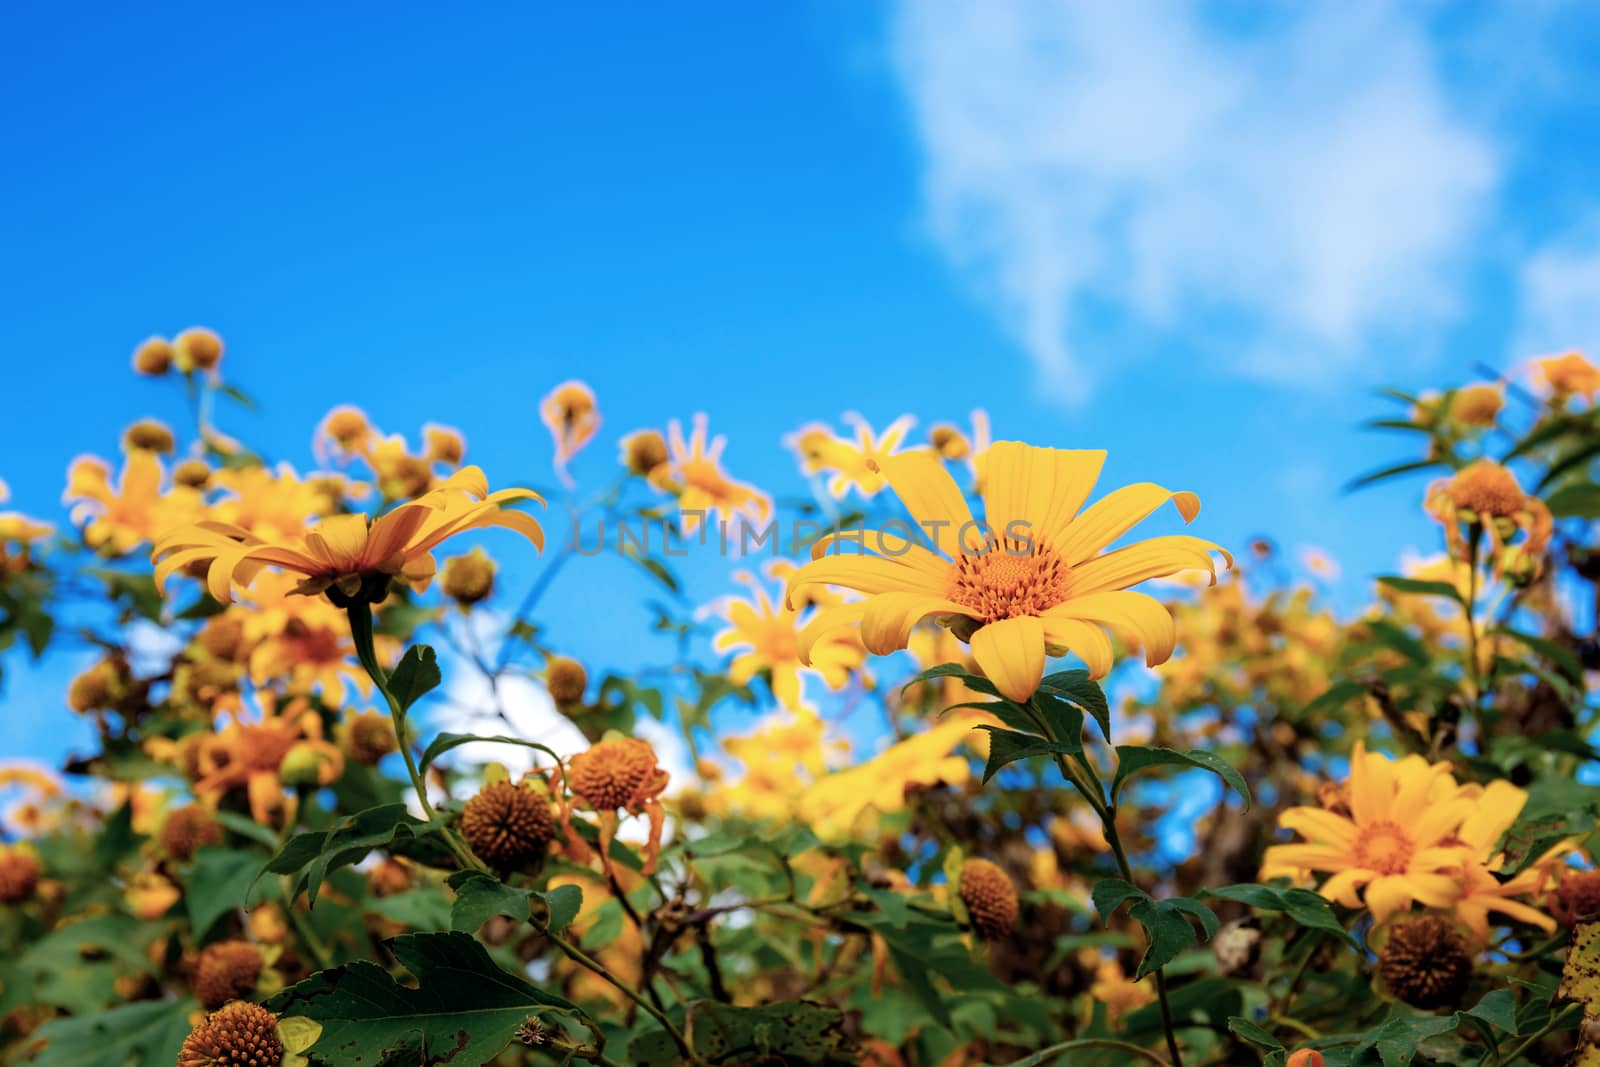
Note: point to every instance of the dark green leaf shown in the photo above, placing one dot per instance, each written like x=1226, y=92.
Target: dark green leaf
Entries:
x=1109, y=894
x=1302, y=905
x=1132, y=759
x=1580, y=501
x=464, y=1008
x=416, y=676
x=1077, y=687
x=445, y=742
x=1420, y=587
x=220, y=882
x=1008, y=746
x=312, y=856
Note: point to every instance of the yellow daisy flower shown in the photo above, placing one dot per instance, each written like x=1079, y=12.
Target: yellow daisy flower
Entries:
x=1033, y=577
x=340, y=551
x=848, y=463
x=694, y=474
x=119, y=519
x=1391, y=841
x=569, y=410
x=765, y=632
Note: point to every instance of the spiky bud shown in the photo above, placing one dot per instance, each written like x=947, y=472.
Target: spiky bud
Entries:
x=566, y=680
x=189, y=828
x=990, y=897
x=227, y=970
x=1576, y=896
x=1426, y=962
x=236, y=1035
x=20, y=871
x=507, y=825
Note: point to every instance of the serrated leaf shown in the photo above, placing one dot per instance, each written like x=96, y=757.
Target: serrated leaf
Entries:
x=312, y=856
x=1308, y=909
x=1078, y=688
x=797, y=1032
x=1166, y=930
x=464, y=1008
x=1008, y=746
x=415, y=676
x=1109, y=894
x=1132, y=759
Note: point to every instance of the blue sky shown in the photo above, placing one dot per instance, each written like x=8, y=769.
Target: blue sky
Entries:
x=1195, y=236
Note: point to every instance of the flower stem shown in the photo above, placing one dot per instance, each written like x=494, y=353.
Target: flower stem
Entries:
x=583, y=959
x=360, y=613
x=1108, y=820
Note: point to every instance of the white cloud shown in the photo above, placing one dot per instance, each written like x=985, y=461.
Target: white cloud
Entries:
x=1560, y=296
x=1300, y=184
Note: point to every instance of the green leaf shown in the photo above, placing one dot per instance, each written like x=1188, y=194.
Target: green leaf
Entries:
x=1580, y=501
x=1131, y=759
x=1563, y=659
x=447, y=741
x=312, y=856
x=1008, y=746
x=1167, y=931
x=220, y=882
x=1078, y=688
x=1396, y=1040
x=800, y=1033
x=1374, y=477
x=480, y=897
x=1336, y=696
x=1109, y=894
x=977, y=683
x=1498, y=1008
x=147, y=1033
x=1420, y=587
x=464, y=1008
x=1198, y=911
x=416, y=676
x=1306, y=908
x=564, y=903
x=1255, y=1035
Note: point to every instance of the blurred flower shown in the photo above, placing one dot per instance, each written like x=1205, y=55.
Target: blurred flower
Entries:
x=1026, y=581
x=344, y=434
x=1497, y=806
x=565, y=679
x=767, y=630
x=569, y=410
x=366, y=736
x=444, y=444
x=848, y=463
x=695, y=476
x=644, y=452
x=1567, y=375
x=1112, y=988
x=469, y=578
x=990, y=898
x=1486, y=496
x=118, y=520
x=153, y=357
x=150, y=435
x=196, y=348
x=20, y=871
x=248, y=754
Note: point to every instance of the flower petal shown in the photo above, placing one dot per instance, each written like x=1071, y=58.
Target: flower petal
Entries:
x=1011, y=653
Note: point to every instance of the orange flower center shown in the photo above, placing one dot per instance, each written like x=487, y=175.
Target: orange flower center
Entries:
x=1009, y=580
x=1488, y=489
x=1383, y=847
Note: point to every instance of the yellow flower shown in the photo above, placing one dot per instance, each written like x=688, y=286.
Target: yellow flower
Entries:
x=1032, y=577
x=444, y=444
x=1484, y=495
x=248, y=754
x=1566, y=375
x=848, y=463
x=196, y=348
x=1113, y=989
x=644, y=452
x=569, y=410
x=345, y=433
x=270, y=503
x=304, y=641
x=118, y=520
x=783, y=755
x=835, y=804
x=1477, y=406
x=1496, y=809
x=342, y=551
x=1397, y=841
x=153, y=357
x=767, y=630
x=694, y=474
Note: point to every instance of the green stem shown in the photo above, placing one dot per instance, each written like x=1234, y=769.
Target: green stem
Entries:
x=1089, y=1042
x=1107, y=812
x=1532, y=1039
x=582, y=959
x=1473, y=671
x=360, y=613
